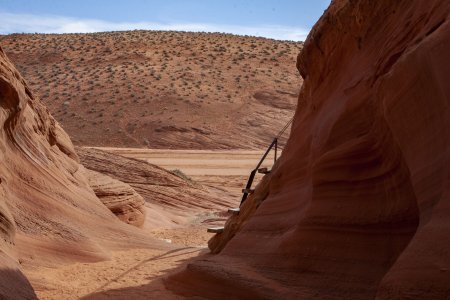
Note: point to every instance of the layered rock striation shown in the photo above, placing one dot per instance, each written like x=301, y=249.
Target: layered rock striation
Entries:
x=358, y=205
x=48, y=212
x=119, y=197
x=170, y=199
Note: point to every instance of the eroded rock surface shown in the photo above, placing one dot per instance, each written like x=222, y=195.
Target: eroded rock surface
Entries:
x=48, y=213
x=358, y=205
x=119, y=197
x=170, y=199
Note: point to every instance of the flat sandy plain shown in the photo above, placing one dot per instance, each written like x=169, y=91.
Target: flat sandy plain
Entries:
x=221, y=170
x=139, y=273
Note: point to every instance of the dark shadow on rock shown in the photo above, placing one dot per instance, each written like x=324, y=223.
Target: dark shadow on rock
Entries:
x=14, y=285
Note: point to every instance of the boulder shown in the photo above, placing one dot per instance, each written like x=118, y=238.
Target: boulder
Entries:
x=119, y=197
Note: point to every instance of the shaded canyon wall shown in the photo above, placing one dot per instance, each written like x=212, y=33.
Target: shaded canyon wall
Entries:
x=358, y=205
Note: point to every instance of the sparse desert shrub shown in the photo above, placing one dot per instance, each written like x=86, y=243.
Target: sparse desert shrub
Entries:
x=180, y=174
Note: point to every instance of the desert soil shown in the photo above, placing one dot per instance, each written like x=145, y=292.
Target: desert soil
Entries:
x=133, y=274
x=161, y=89
x=138, y=273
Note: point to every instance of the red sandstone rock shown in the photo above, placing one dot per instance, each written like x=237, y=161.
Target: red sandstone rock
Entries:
x=119, y=197
x=171, y=200
x=358, y=205
x=48, y=212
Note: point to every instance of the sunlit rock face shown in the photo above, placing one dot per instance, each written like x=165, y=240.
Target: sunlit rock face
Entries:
x=119, y=197
x=170, y=199
x=48, y=212
x=358, y=205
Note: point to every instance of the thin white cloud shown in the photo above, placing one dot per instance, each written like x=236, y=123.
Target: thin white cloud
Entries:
x=26, y=23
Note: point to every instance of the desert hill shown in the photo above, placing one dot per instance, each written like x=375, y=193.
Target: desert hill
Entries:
x=161, y=89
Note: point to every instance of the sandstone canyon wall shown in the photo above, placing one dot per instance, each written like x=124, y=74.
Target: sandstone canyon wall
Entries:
x=48, y=212
x=171, y=201
x=358, y=205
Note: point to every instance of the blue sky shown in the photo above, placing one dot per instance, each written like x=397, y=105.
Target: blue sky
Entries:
x=282, y=19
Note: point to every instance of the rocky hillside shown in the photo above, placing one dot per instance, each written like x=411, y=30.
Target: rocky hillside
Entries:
x=161, y=89
x=358, y=206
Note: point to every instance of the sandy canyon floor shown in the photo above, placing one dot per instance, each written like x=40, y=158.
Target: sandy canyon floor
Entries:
x=139, y=273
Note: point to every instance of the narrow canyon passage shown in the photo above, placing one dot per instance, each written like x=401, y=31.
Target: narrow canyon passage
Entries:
x=139, y=273
x=356, y=207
